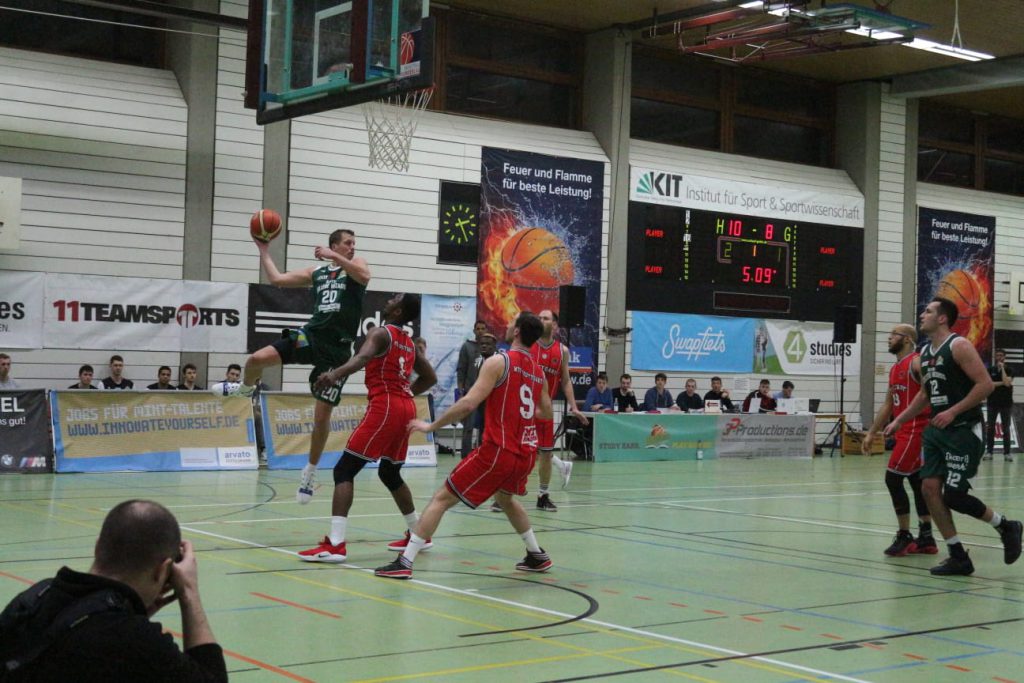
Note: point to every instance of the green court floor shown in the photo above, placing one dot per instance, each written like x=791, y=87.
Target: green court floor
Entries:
x=728, y=571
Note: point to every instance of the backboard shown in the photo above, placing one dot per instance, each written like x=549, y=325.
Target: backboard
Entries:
x=317, y=55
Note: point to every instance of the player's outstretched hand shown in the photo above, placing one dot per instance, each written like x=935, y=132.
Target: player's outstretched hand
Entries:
x=419, y=426
x=865, y=445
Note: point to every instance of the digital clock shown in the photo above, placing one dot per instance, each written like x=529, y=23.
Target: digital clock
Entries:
x=692, y=261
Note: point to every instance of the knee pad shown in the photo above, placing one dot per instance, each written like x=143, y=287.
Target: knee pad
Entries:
x=390, y=475
x=963, y=502
x=900, y=500
x=347, y=468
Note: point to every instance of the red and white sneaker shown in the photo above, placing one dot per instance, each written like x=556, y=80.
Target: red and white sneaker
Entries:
x=403, y=542
x=325, y=552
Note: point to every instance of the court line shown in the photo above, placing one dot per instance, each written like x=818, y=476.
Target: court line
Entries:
x=314, y=610
x=249, y=660
x=616, y=628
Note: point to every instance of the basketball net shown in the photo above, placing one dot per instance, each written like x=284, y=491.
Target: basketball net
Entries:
x=390, y=124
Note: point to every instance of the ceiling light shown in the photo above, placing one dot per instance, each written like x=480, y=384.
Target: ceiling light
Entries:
x=948, y=50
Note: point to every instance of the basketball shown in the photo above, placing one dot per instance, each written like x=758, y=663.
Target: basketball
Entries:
x=960, y=287
x=265, y=225
x=537, y=262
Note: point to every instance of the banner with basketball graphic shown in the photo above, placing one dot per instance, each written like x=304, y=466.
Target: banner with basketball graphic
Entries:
x=143, y=314
x=540, y=229
x=956, y=261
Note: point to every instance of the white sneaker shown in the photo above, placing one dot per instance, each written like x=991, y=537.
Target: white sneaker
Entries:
x=223, y=388
x=307, y=486
x=566, y=473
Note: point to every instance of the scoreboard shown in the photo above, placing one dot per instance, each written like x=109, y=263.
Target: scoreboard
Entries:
x=719, y=263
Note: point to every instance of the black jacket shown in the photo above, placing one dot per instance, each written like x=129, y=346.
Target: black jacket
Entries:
x=118, y=643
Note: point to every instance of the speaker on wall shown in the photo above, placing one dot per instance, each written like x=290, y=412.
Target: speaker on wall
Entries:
x=844, y=329
x=572, y=306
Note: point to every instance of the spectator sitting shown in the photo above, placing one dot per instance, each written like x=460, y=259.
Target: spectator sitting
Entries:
x=95, y=626
x=658, y=396
x=720, y=395
x=5, y=373
x=188, y=378
x=115, y=380
x=765, y=402
x=688, y=399
x=623, y=396
x=84, y=378
x=787, y=390
x=599, y=397
x=163, y=379
x=233, y=373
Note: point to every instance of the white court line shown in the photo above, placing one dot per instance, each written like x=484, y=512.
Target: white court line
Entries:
x=564, y=615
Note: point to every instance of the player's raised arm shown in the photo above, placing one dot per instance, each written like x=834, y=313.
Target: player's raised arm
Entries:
x=342, y=253
x=292, y=278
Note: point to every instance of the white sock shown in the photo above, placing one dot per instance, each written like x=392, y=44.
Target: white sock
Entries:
x=953, y=540
x=338, y=526
x=411, y=519
x=413, y=548
x=556, y=461
x=310, y=468
x=543, y=490
x=530, y=540
x=997, y=519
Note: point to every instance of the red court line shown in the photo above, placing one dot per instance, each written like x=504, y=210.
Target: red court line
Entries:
x=249, y=660
x=832, y=636
x=755, y=620
x=954, y=667
x=314, y=610
x=714, y=611
x=917, y=657
x=678, y=604
x=791, y=628
x=642, y=597
x=1002, y=680
x=18, y=578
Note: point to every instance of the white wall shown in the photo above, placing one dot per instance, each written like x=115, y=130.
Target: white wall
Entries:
x=101, y=150
x=751, y=170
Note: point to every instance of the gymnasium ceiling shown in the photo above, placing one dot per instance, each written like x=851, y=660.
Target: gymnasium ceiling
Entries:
x=992, y=26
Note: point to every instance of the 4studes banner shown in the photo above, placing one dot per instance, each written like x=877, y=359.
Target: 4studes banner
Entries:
x=541, y=229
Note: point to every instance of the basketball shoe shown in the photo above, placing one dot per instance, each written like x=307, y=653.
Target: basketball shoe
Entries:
x=924, y=545
x=534, y=562
x=952, y=566
x=401, y=568
x=1010, y=532
x=495, y=507
x=307, y=487
x=544, y=503
x=901, y=544
x=325, y=552
x=234, y=389
x=401, y=543
x=566, y=472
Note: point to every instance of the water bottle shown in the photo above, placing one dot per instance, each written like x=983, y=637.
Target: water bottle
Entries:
x=700, y=450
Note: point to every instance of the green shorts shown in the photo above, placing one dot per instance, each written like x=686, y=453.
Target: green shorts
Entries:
x=297, y=348
x=952, y=454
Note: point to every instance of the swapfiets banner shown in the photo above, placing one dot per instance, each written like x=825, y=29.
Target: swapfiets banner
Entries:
x=704, y=343
x=105, y=431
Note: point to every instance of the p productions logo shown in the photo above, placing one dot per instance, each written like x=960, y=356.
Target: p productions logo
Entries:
x=795, y=346
x=731, y=426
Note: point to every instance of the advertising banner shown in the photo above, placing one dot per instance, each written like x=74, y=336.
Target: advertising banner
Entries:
x=447, y=324
x=540, y=229
x=786, y=347
x=21, y=310
x=625, y=437
x=771, y=201
x=765, y=436
x=692, y=343
x=956, y=261
x=288, y=422
x=104, y=431
x=25, y=444
x=97, y=312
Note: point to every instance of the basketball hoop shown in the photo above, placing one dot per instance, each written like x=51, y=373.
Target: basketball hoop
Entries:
x=390, y=125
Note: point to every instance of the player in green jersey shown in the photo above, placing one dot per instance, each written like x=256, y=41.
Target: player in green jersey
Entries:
x=955, y=382
x=325, y=342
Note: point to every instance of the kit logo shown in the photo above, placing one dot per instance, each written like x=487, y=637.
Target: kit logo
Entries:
x=659, y=183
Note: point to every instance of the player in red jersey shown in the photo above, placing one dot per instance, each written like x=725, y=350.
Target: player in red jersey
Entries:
x=905, y=461
x=553, y=358
x=389, y=356
x=513, y=386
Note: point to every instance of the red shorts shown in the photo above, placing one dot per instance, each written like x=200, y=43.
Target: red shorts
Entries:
x=489, y=469
x=545, y=434
x=383, y=432
x=906, y=454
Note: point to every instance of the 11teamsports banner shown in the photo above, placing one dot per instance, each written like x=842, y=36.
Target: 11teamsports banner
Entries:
x=21, y=310
x=97, y=312
x=288, y=423
x=104, y=431
x=956, y=261
x=672, y=342
x=25, y=444
x=447, y=324
x=540, y=229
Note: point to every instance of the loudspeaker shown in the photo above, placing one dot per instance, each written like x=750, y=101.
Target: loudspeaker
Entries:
x=572, y=306
x=844, y=330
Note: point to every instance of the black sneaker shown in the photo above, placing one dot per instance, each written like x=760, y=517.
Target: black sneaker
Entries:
x=544, y=503
x=1011, y=535
x=534, y=562
x=401, y=568
x=901, y=543
x=951, y=566
x=924, y=545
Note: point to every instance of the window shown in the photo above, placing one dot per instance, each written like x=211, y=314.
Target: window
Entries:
x=690, y=101
x=970, y=149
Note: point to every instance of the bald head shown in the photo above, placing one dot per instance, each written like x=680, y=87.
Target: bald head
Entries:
x=902, y=339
